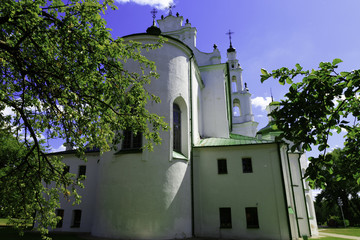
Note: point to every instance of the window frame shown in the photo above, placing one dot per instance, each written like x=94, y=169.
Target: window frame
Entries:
x=222, y=166
x=60, y=213
x=252, y=217
x=131, y=141
x=225, y=217
x=177, y=128
x=81, y=170
x=76, y=218
x=247, y=165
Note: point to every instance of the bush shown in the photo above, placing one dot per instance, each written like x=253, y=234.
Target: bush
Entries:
x=336, y=221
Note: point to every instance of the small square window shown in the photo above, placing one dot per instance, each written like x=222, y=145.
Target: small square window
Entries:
x=76, y=219
x=222, y=166
x=252, y=220
x=82, y=170
x=131, y=141
x=225, y=217
x=60, y=213
x=247, y=166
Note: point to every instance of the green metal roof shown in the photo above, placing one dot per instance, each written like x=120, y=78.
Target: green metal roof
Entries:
x=177, y=155
x=234, y=140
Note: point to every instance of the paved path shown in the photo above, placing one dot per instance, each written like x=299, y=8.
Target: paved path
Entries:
x=338, y=235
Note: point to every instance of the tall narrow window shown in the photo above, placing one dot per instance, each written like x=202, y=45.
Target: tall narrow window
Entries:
x=76, y=218
x=66, y=169
x=177, y=128
x=132, y=141
x=247, y=165
x=252, y=220
x=225, y=217
x=82, y=171
x=236, y=108
x=233, y=84
x=60, y=213
x=222, y=166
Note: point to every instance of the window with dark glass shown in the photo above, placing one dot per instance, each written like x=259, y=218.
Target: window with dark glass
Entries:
x=177, y=128
x=132, y=141
x=225, y=217
x=60, y=213
x=252, y=220
x=66, y=169
x=76, y=218
x=82, y=170
x=222, y=166
x=247, y=165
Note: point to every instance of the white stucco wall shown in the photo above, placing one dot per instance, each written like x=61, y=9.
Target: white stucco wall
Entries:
x=87, y=194
x=262, y=189
x=148, y=195
x=213, y=96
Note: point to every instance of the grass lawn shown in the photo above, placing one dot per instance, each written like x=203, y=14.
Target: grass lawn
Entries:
x=330, y=238
x=3, y=222
x=344, y=231
x=7, y=233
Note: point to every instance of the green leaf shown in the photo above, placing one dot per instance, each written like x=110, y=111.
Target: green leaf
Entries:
x=289, y=80
x=336, y=61
x=344, y=74
x=298, y=67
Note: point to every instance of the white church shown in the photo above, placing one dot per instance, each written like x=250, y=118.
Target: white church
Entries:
x=214, y=175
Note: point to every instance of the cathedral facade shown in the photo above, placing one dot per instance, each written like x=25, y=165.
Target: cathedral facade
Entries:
x=214, y=175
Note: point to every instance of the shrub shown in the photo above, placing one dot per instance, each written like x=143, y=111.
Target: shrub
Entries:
x=336, y=221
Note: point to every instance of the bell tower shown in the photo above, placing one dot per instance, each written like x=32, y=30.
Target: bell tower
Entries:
x=242, y=117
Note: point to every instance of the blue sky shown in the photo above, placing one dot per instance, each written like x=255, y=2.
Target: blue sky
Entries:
x=267, y=34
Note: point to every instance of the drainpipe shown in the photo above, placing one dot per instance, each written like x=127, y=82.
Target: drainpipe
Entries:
x=191, y=151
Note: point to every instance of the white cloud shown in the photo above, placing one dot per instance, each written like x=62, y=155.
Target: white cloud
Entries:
x=261, y=102
x=159, y=4
x=59, y=149
x=8, y=111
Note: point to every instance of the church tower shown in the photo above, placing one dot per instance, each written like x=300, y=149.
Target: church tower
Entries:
x=242, y=117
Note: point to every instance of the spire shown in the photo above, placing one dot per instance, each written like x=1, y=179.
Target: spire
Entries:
x=154, y=12
x=170, y=8
x=230, y=49
x=153, y=30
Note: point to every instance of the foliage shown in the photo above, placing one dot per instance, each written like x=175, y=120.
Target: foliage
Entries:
x=63, y=76
x=323, y=102
x=339, y=186
x=336, y=221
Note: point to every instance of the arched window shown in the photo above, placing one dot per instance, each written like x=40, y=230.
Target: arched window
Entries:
x=236, y=108
x=233, y=84
x=177, y=127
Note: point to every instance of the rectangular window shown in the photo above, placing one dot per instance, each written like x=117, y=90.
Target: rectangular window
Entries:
x=60, y=213
x=247, y=166
x=222, y=166
x=225, y=217
x=132, y=141
x=76, y=218
x=82, y=170
x=252, y=220
x=66, y=169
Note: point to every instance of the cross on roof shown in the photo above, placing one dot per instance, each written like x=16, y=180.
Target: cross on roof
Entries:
x=230, y=33
x=154, y=12
x=170, y=8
